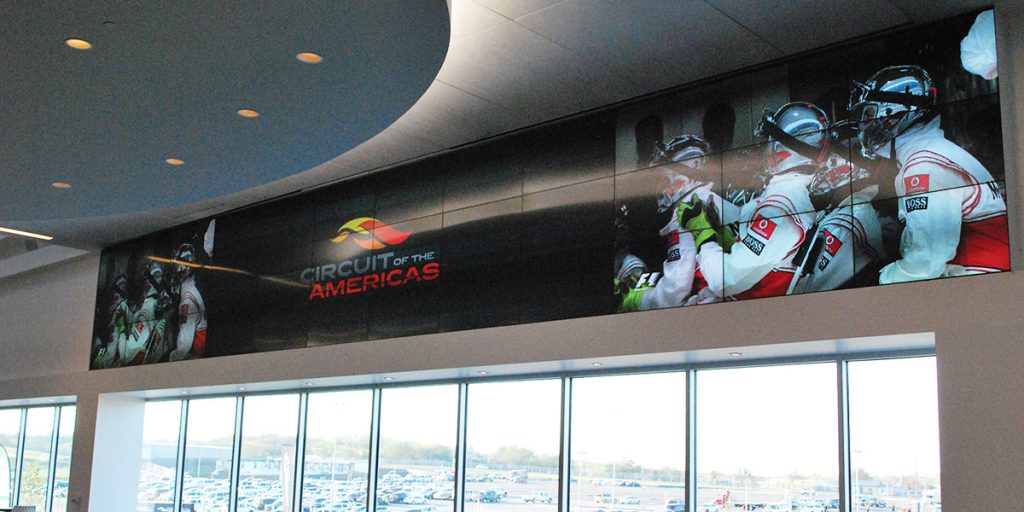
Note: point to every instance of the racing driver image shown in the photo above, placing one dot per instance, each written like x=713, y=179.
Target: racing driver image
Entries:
x=953, y=213
x=774, y=225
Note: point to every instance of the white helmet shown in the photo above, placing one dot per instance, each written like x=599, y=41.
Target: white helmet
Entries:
x=798, y=135
x=680, y=157
x=893, y=100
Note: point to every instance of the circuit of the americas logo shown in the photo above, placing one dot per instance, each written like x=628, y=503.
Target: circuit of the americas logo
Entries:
x=389, y=269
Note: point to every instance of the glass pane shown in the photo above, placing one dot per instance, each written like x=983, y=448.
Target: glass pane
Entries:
x=209, y=436
x=767, y=437
x=337, y=450
x=10, y=429
x=267, y=468
x=62, y=470
x=629, y=443
x=159, y=454
x=417, y=443
x=512, y=446
x=36, y=466
x=894, y=434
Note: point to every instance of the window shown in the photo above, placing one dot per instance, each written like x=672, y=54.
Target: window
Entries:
x=512, y=445
x=210, y=438
x=894, y=434
x=791, y=437
x=629, y=443
x=160, y=427
x=337, y=449
x=767, y=436
x=35, y=456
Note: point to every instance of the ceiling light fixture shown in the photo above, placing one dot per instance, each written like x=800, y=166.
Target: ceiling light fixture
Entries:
x=61, y=185
x=595, y=364
x=78, y=44
x=309, y=58
x=482, y=372
x=389, y=379
x=241, y=388
x=175, y=161
x=735, y=354
x=25, y=233
x=308, y=384
x=248, y=112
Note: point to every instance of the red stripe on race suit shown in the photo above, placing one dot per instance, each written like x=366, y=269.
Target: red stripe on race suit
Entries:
x=984, y=243
x=199, y=343
x=772, y=285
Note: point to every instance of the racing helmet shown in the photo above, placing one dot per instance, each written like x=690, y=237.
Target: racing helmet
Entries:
x=798, y=135
x=685, y=153
x=184, y=254
x=630, y=269
x=893, y=100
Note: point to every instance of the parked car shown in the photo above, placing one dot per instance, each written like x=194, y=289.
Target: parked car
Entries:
x=538, y=497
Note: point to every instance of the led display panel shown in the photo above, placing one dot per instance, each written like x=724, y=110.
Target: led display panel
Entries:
x=869, y=163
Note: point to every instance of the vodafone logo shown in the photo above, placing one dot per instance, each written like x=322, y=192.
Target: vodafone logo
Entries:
x=916, y=184
x=370, y=233
x=762, y=227
x=832, y=243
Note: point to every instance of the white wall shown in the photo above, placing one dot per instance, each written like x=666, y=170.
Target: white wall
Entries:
x=46, y=318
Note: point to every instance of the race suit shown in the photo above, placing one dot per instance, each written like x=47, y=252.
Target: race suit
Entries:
x=847, y=240
x=773, y=227
x=147, y=339
x=951, y=207
x=675, y=283
x=191, y=322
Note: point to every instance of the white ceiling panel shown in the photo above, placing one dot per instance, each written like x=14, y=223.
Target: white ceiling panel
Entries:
x=655, y=44
x=524, y=72
x=388, y=147
x=469, y=17
x=515, y=8
x=798, y=25
x=448, y=116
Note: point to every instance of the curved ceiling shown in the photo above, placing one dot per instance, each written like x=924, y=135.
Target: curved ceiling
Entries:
x=166, y=80
x=511, y=64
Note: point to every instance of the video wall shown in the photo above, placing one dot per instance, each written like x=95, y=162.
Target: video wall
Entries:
x=872, y=163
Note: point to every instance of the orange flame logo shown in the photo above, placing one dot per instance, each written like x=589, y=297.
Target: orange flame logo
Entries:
x=370, y=233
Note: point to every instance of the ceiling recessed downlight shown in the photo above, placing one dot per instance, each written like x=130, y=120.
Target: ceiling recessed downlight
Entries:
x=78, y=44
x=175, y=161
x=24, y=233
x=61, y=185
x=309, y=58
x=735, y=354
x=248, y=112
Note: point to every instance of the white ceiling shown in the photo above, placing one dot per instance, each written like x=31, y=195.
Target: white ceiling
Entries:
x=510, y=64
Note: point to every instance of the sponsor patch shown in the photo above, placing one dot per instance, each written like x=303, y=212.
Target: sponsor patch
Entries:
x=753, y=244
x=916, y=184
x=832, y=242
x=673, y=255
x=916, y=203
x=762, y=227
x=823, y=262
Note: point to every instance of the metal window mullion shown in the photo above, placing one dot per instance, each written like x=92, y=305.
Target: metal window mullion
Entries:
x=459, y=501
x=236, y=455
x=19, y=459
x=179, y=462
x=691, y=440
x=52, y=466
x=565, y=459
x=300, y=453
x=374, y=467
x=843, y=392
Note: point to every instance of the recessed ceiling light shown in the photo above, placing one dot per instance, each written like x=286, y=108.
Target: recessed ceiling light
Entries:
x=184, y=392
x=78, y=44
x=175, y=161
x=241, y=388
x=309, y=384
x=61, y=185
x=309, y=58
x=389, y=379
x=735, y=354
x=482, y=372
x=25, y=233
x=595, y=364
x=248, y=112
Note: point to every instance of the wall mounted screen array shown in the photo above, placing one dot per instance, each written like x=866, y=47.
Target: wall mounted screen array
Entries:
x=35, y=456
x=799, y=437
x=874, y=162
